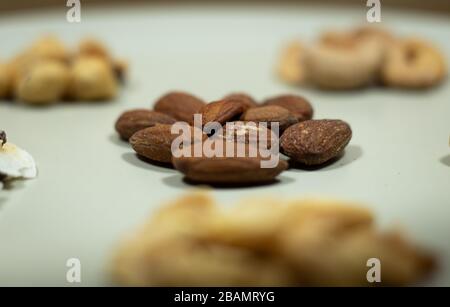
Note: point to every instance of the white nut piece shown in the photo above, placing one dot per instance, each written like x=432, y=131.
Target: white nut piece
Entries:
x=16, y=162
x=92, y=78
x=5, y=80
x=344, y=66
x=44, y=82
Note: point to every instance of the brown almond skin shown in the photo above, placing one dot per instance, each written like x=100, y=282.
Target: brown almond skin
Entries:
x=155, y=143
x=314, y=142
x=245, y=98
x=132, y=121
x=242, y=133
x=270, y=114
x=227, y=170
x=298, y=105
x=223, y=110
x=181, y=106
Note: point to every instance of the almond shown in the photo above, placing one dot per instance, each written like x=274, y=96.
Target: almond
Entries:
x=155, y=143
x=132, y=121
x=314, y=142
x=223, y=110
x=298, y=105
x=245, y=170
x=246, y=99
x=181, y=106
x=270, y=114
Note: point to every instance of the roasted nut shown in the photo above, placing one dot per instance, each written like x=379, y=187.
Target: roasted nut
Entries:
x=93, y=74
x=244, y=170
x=194, y=242
x=384, y=36
x=19, y=66
x=155, y=143
x=49, y=47
x=249, y=133
x=314, y=142
x=132, y=121
x=291, y=67
x=344, y=65
x=92, y=78
x=270, y=114
x=328, y=242
x=413, y=63
x=5, y=80
x=193, y=262
x=93, y=47
x=246, y=99
x=297, y=105
x=179, y=105
x=223, y=111
x=44, y=82
x=174, y=243
x=379, y=37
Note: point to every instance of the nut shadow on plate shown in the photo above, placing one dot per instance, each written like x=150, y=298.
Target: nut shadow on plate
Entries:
x=179, y=181
x=114, y=138
x=141, y=162
x=351, y=154
x=445, y=160
x=13, y=184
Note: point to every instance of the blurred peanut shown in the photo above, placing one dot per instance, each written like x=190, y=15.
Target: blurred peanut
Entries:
x=49, y=47
x=44, y=82
x=93, y=47
x=92, y=78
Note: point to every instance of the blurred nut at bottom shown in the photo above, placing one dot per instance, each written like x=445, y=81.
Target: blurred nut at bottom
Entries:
x=44, y=82
x=92, y=78
x=265, y=242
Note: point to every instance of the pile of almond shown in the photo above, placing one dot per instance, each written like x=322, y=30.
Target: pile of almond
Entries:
x=48, y=72
x=362, y=57
x=266, y=242
x=304, y=140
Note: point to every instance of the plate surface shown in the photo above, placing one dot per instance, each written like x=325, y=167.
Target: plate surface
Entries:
x=92, y=189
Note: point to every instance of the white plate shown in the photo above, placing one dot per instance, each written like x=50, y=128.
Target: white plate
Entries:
x=91, y=188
